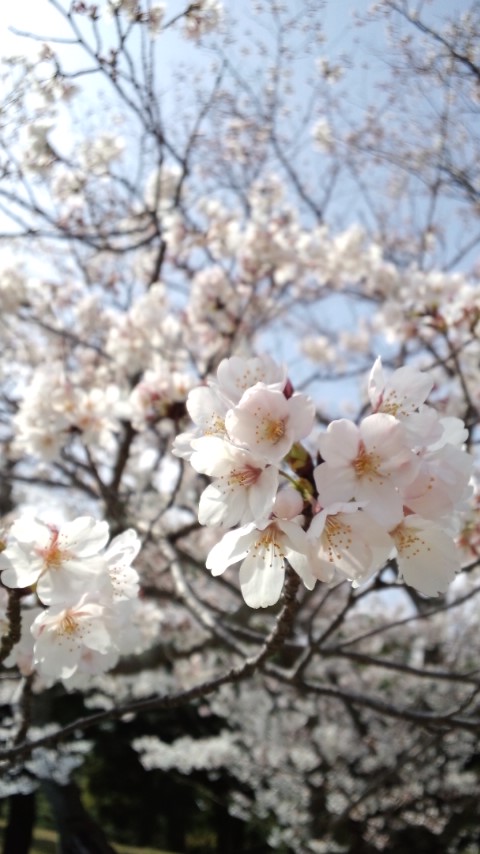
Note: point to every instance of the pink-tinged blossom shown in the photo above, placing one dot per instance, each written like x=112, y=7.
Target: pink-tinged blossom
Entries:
x=244, y=488
x=156, y=395
x=427, y=557
x=268, y=424
x=401, y=393
x=346, y=539
x=403, y=459
x=235, y=375
x=263, y=551
x=444, y=469
x=371, y=462
x=288, y=503
x=442, y=483
x=63, y=636
x=424, y=429
x=428, y=432
x=59, y=561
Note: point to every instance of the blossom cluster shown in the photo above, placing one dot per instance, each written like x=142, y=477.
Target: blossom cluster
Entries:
x=387, y=488
x=86, y=589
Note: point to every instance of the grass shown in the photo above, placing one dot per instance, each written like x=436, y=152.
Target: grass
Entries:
x=45, y=843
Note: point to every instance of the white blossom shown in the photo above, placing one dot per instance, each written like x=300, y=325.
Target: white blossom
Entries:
x=57, y=560
x=263, y=551
x=244, y=487
x=267, y=423
x=427, y=556
x=67, y=639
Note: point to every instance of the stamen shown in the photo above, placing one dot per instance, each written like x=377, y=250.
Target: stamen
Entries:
x=274, y=430
x=52, y=555
x=68, y=626
x=337, y=537
x=246, y=476
x=367, y=464
x=408, y=541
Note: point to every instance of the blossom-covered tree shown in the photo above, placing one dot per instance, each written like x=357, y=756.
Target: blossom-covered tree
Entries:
x=239, y=402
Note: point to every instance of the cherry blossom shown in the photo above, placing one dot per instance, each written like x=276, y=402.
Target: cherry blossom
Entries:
x=263, y=551
x=56, y=560
x=236, y=375
x=346, y=539
x=65, y=637
x=399, y=395
x=207, y=408
x=244, y=488
x=371, y=475
x=268, y=424
x=427, y=556
x=157, y=394
x=370, y=462
x=442, y=483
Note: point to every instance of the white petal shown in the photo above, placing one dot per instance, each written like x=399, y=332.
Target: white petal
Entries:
x=295, y=536
x=339, y=444
x=123, y=549
x=20, y=575
x=182, y=445
x=96, y=635
x=261, y=496
x=85, y=535
x=233, y=546
x=221, y=504
x=334, y=484
x=301, y=415
x=207, y=409
x=28, y=530
x=211, y=455
x=302, y=566
x=376, y=384
x=427, y=557
x=235, y=375
x=261, y=579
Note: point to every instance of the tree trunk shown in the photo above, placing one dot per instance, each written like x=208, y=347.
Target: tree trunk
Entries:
x=19, y=830
x=78, y=832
